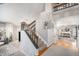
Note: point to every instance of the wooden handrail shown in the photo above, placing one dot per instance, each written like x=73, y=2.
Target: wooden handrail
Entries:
x=58, y=5
x=33, y=26
x=31, y=23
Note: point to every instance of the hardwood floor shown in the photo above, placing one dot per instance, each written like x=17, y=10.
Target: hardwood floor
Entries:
x=61, y=48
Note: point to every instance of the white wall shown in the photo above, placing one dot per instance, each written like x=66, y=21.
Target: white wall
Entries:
x=46, y=34
x=2, y=26
x=51, y=37
x=27, y=45
x=9, y=29
x=40, y=27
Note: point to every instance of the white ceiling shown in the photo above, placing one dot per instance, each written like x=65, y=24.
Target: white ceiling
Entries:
x=14, y=12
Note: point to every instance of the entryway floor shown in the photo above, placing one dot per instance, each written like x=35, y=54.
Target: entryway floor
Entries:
x=61, y=48
x=11, y=49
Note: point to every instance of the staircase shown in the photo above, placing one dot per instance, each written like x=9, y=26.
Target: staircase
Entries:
x=30, y=30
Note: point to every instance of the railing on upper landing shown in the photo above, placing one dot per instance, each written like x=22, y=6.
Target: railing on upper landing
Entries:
x=62, y=6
